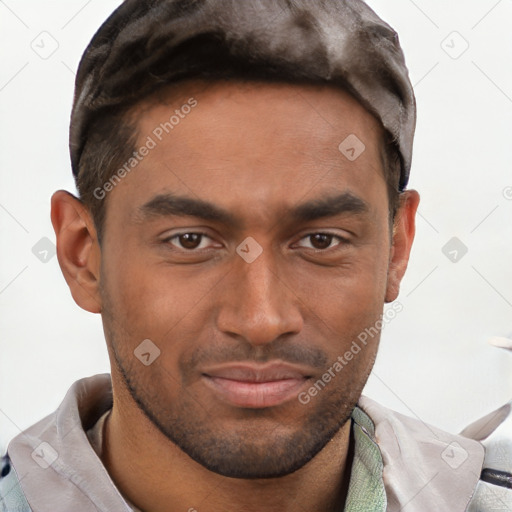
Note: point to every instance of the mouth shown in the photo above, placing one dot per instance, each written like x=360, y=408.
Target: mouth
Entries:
x=256, y=386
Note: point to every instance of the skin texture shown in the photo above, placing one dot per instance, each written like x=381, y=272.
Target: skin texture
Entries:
x=257, y=151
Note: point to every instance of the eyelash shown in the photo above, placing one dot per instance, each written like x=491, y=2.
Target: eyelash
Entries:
x=341, y=240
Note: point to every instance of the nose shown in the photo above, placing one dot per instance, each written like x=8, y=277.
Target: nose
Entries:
x=258, y=302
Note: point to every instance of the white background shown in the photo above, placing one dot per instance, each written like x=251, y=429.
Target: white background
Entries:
x=435, y=362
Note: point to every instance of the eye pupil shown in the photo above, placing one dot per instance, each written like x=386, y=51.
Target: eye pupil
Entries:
x=321, y=240
x=190, y=240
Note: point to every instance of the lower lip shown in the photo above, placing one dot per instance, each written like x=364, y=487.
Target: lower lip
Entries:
x=255, y=395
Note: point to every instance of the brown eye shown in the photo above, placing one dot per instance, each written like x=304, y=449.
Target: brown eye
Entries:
x=321, y=240
x=190, y=240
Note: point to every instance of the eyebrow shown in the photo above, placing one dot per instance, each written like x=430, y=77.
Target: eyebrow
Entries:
x=164, y=205
x=330, y=207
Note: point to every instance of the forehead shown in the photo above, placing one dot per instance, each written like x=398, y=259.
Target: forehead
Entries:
x=327, y=109
x=272, y=143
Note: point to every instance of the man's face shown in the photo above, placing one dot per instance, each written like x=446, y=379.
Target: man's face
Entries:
x=243, y=334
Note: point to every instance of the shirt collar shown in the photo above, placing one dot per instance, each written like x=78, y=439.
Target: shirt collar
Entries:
x=366, y=487
x=424, y=468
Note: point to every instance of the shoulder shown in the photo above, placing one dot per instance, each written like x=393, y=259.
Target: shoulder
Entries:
x=470, y=471
x=494, y=431
x=425, y=468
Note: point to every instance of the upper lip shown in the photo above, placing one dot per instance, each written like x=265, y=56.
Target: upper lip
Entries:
x=247, y=372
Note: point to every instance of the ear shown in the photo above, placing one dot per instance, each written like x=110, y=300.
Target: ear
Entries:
x=78, y=250
x=403, y=235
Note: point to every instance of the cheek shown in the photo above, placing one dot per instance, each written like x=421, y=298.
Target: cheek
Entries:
x=356, y=285
x=344, y=303
x=156, y=300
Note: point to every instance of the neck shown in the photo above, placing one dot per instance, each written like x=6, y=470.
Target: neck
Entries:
x=155, y=475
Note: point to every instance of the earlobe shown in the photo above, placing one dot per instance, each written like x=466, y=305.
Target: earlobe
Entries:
x=403, y=236
x=78, y=250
